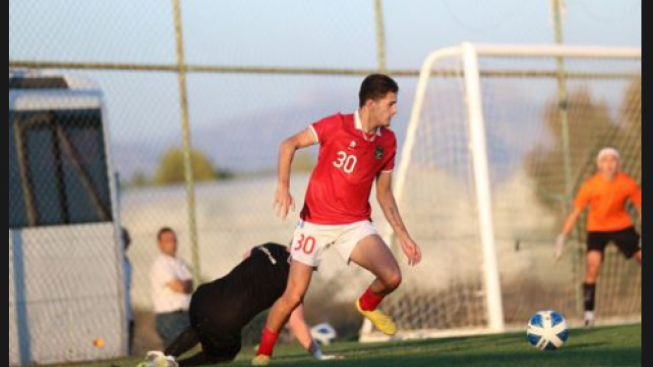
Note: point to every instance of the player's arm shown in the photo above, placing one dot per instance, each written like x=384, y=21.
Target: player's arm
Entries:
x=302, y=332
x=580, y=204
x=180, y=286
x=300, y=328
x=567, y=230
x=388, y=203
x=284, y=202
x=571, y=222
x=161, y=276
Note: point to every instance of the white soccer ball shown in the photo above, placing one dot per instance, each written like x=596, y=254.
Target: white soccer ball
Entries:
x=548, y=331
x=324, y=334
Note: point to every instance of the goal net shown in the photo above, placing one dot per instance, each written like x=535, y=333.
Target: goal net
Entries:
x=500, y=140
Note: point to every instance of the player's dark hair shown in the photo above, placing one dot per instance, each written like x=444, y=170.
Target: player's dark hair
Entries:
x=376, y=87
x=164, y=231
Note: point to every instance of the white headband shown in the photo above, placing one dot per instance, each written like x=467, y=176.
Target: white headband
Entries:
x=609, y=152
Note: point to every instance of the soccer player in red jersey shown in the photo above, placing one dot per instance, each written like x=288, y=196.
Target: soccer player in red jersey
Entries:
x=356, y=151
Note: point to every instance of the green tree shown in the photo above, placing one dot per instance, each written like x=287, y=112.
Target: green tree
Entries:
x=629, y=134
x=171, y=168
x=589, y=126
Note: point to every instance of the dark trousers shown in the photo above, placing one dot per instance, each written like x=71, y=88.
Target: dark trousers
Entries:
x=170, y=325
x=132, y=337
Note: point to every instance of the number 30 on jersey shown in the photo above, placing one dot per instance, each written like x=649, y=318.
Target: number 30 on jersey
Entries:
x=346, y=162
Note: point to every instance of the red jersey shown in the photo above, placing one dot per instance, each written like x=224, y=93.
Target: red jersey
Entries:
x=349, y=163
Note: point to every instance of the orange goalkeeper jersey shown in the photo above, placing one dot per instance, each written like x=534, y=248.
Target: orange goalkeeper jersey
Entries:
x=608, y=202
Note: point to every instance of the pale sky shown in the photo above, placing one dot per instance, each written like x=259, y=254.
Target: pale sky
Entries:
x=306, y=33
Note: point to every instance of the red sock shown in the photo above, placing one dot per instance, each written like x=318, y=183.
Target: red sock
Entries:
x=370, y=301
x=268, y=341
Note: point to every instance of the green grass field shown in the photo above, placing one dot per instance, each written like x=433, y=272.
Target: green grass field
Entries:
x=619, y=346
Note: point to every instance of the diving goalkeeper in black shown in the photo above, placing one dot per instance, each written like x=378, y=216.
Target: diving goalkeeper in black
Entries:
x=221, y=310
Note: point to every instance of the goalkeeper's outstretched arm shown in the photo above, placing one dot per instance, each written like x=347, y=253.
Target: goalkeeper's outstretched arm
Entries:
x=302, y=332
x=567, y=230
x=571, y=222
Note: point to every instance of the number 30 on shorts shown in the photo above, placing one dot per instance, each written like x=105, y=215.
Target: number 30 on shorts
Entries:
x=306, y=244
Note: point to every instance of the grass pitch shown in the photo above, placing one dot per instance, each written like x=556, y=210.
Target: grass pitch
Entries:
x=603, y=347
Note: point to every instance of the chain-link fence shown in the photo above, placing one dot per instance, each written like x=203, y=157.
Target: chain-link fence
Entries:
x=190, y=100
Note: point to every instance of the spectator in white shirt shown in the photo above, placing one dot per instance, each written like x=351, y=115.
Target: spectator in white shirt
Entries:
x=172, y=286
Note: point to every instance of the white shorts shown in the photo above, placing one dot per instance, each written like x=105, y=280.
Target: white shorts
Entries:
x=311, y=241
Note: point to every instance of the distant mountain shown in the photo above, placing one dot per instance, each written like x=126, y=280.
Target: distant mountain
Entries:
x=244, y=145
x=250, y=143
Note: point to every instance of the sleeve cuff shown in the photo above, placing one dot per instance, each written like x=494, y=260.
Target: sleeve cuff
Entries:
x=315, y=135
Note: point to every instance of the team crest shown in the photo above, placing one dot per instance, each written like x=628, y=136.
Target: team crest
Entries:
x=380, y=153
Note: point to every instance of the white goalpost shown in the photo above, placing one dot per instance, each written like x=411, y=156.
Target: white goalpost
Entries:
x=500, y=138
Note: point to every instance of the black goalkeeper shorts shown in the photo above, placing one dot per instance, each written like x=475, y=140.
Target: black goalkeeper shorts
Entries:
x=628, y=241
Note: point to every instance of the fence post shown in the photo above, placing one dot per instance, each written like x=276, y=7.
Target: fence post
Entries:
x=187, y=144
x=380, y=37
